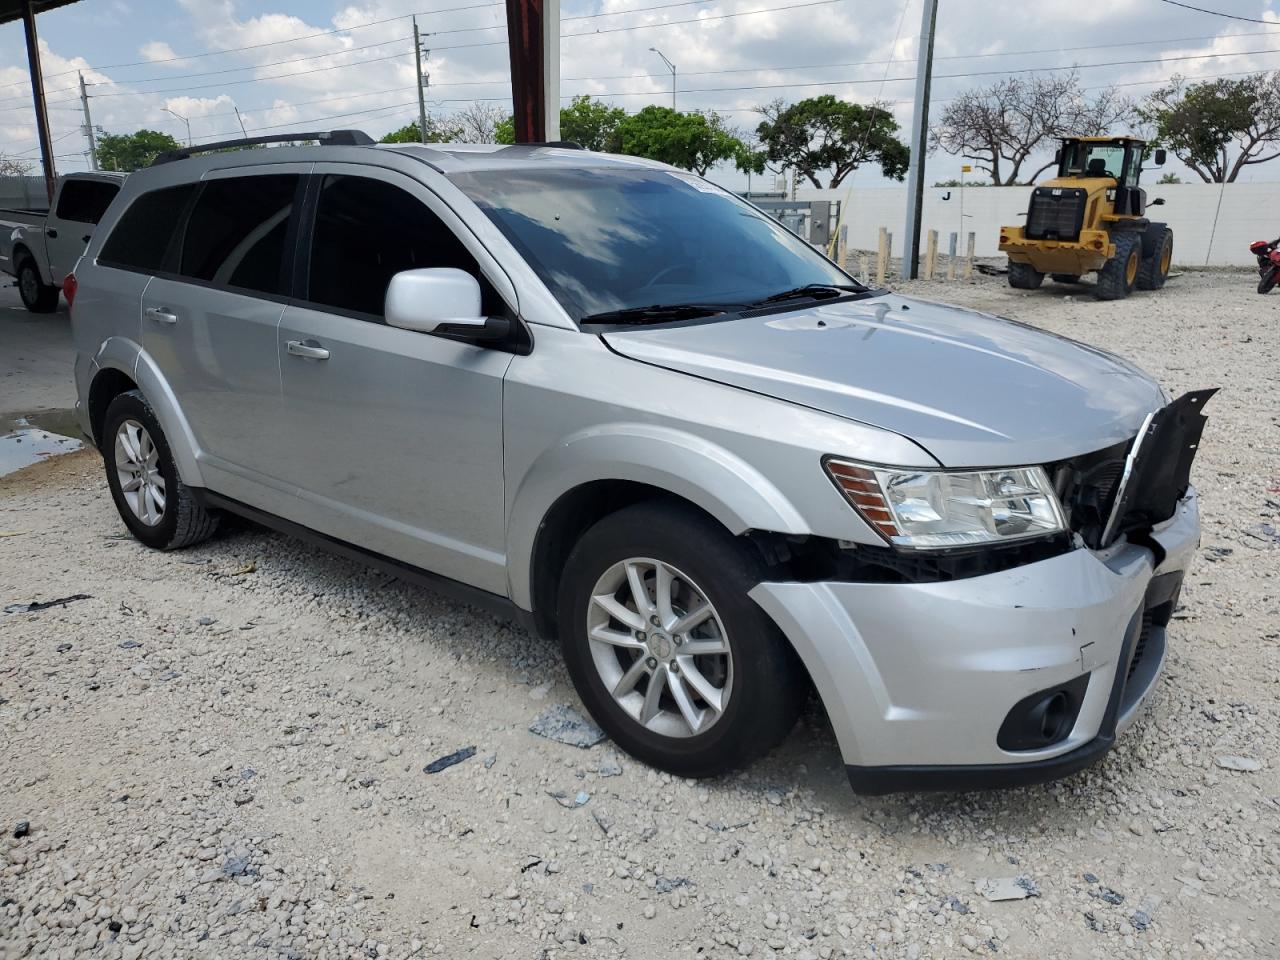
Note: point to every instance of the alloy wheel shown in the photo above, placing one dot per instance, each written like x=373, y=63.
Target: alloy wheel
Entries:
x=138, y=469
x=659, y=647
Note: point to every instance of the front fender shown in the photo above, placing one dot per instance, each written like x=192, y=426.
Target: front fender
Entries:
x=126, y=355
x=688, y=466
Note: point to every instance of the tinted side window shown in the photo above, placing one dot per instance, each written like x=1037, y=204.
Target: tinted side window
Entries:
x=85, y=201
x=142, y=235
x=236, y=234
x=366, y=232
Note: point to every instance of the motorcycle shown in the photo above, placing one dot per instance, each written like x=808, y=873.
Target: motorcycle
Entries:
x=1268, y=263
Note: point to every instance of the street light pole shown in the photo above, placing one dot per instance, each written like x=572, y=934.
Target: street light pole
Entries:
x=919, y=143
x=672, y=67
x=184, y=120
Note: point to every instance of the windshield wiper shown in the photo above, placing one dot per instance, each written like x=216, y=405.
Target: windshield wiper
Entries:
x=814, y=291
x=662, y=313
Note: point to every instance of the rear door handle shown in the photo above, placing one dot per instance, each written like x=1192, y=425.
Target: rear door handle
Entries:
x=51, y=233
x=87, y=237
x=161, y=315
x=309, y=349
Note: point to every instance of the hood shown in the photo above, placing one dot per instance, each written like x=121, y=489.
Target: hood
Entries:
x=972, y=389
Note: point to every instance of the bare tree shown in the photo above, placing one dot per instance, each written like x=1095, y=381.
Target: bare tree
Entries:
x=479, y=122
x=1003, y=126
x=14, y=167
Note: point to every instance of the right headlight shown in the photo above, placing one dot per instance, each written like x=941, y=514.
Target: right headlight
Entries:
x=935, y=509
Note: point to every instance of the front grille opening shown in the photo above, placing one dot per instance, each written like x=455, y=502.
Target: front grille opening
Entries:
x=1087, y=487
x=1140, y=648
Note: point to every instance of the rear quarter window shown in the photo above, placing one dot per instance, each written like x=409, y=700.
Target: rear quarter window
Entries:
x=143, y=233
x=85, y=201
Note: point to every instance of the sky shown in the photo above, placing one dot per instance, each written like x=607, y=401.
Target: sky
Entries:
x=308, y=64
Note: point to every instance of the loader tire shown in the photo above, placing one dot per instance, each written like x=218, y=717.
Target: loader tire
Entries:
x=1119, y=275
x=1155, y=268
x=1023, y=276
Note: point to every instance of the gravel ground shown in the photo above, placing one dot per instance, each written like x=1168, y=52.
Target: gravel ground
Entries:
x=220, y=752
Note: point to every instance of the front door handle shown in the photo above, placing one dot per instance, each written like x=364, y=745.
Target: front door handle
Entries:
x=161, y=315
x=308, y=349
x=87, y=237
x=51, y=233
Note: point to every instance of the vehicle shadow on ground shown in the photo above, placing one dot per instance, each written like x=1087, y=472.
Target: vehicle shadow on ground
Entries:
x=806, y=767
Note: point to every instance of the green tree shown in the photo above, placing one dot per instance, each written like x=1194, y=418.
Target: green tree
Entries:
x=438, y=131
x=695, y=141
x=1169, y=178
x=592, y=123
x=132, y=151
x=826, y=135
x=1217, y=127
x=505, y=131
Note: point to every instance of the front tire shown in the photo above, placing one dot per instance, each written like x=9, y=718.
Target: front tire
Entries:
x=156, y=506
x=37, y=296
x=671, y=657
x=1268, y=279
x=1155, y=268
x=1119, y=275
x=1023, y=276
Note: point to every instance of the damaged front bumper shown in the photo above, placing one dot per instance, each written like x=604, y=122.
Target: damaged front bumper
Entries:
x=920, y=680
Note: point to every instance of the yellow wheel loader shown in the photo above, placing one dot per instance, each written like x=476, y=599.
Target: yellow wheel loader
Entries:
x=1090, y=218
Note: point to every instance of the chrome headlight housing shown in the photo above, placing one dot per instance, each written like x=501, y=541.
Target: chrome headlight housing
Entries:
x=937, y=509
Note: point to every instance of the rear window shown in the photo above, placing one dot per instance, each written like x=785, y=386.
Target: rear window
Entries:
x=85, y=201
x=237, y=230
x=141, y=236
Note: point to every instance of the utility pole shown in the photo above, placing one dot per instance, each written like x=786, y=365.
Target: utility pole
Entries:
x=919, y=141
x=672, y=67
x=88, y=126
x=422, y=83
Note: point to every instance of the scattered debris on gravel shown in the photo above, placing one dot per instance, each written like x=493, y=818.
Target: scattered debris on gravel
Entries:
x=220, y=752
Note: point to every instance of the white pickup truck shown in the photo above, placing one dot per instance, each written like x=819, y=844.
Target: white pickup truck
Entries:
x=40, y=247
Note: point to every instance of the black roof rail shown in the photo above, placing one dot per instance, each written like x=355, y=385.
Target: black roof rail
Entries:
x=562, y=144
x=326, y=138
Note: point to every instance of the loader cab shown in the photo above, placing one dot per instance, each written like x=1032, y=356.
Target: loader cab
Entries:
x=1114, y=158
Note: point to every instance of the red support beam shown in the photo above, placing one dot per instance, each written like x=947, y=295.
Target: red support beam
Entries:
x=526, y=30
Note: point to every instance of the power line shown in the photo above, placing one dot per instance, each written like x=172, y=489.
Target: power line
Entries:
x=1214, y=13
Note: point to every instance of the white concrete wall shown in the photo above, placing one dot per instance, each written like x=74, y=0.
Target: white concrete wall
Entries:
x=1250, y=211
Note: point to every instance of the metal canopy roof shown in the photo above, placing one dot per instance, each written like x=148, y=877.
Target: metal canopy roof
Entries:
x=12, y=9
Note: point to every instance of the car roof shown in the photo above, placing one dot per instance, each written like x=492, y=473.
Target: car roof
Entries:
x=467, y=157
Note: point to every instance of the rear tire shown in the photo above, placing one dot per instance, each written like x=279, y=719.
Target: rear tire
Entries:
x=37, y=296
x=1155, y=268
x=1268, y=279
x=746, y=686
x=1023, y=276
x=1119, y=275
x=156, y=506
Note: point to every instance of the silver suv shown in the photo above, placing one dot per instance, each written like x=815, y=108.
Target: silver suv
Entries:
x=612, y=399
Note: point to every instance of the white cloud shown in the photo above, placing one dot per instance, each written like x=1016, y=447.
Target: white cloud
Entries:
x=157, y=51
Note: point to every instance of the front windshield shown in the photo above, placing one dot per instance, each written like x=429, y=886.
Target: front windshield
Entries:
x=1094, y=160
x=605, y=239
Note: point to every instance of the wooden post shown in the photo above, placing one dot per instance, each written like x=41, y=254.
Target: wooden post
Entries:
x=968, y=260
x=533, y=44
x=951, y=256
x=882, y=257
x=931, y=254
x=864, y=268
x=888, y=254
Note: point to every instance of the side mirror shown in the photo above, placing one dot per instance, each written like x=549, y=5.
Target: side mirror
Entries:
x=1161, y=155
x=440, y=300
x=1157, y=202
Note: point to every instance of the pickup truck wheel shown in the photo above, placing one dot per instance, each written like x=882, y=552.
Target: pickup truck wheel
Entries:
x=1119, y=275
x=1023, y=276
x=37, y=296
x=154, y=503
x=673, y=659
